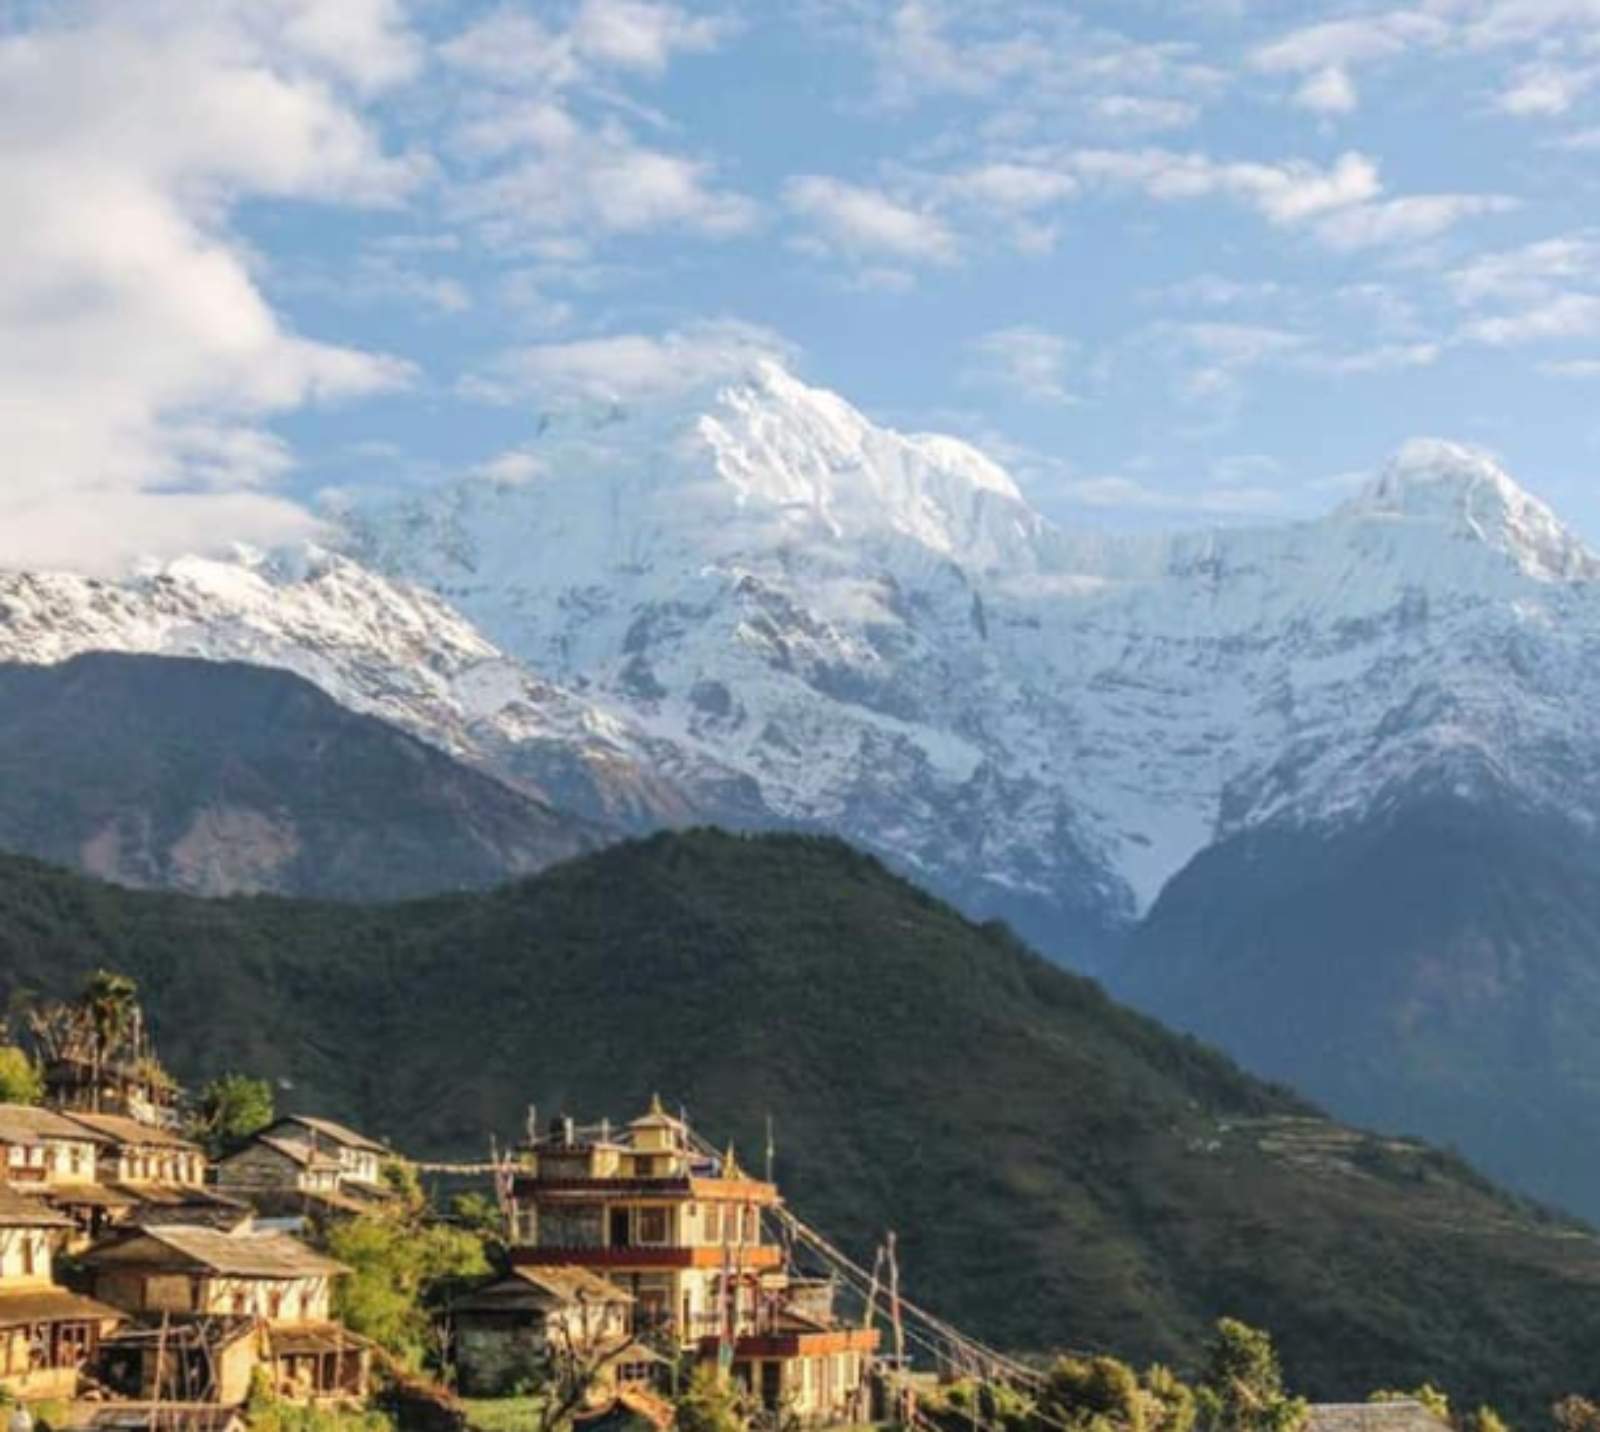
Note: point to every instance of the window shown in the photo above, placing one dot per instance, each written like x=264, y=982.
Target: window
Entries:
x=752, y=1230
x=652, y=1225
x=713, y=1224
x=572, y=1226
x=29, y=1255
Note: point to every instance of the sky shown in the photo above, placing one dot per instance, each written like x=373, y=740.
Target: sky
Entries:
x=1172, y=262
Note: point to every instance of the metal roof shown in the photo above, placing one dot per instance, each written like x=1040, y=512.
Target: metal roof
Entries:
x=349, y=1138
x=120, y=1129
x=25, y=1124
x=246, y=1254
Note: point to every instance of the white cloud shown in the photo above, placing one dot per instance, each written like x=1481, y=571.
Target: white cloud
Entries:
x=1405, y=220
x=540, y=167
x=628, y=367
x=138, y=356
x=861, y=220
x=1567, y=316
x=1347, y=42
x=1328, y=91
x=1031, y=362
x=1543, y=89
x=1285, y=193
x=1580, y=369
x=1143, y=114
x=1526, y=274
x=1008, y=186
x=1385, y=358
x=639, y=35
x=564, y=177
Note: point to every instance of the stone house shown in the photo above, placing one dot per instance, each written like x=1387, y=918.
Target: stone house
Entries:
x=360, y=1158
x=505, y=1332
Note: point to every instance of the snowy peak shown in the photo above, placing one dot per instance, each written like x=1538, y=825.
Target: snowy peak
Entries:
x=1464, y=491
x=781, y=451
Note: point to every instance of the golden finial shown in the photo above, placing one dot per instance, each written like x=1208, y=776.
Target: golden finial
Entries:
x=730, y=1163
x=655, y=1104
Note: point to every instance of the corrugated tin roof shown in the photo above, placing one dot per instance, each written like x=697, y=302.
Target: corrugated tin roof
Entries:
x=88, y=1195
x=18, y=1210
x=573, y=1284
x=330, y=1130
x=122, y=1130
x=51, y=1305
x=1404, y=1415
x=542, y=1290
x=314, y=1337
x=246, y=1254
x=25, y=1124
x=296, y=1150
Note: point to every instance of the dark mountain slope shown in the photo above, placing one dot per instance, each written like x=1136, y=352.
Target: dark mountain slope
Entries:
x=1060, y=1169
x=218, y=777
x=1433, y=968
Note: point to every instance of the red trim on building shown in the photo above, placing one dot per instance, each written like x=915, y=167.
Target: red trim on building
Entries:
x=643, y=1258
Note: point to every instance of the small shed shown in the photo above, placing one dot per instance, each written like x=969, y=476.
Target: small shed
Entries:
x=1403, y=1414
x=508, y=1329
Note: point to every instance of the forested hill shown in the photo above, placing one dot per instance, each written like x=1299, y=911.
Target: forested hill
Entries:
x=1061, y=1171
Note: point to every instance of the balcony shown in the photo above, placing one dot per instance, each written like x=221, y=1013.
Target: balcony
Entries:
x=648, y=1257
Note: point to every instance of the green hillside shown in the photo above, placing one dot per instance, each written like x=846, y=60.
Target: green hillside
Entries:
x=1061, y=1171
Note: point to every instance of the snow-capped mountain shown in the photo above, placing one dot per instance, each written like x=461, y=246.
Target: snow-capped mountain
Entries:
x=889, y=642
x=377, y=647
x=757, y=607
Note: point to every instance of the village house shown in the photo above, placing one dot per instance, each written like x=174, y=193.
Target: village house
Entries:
x=47, y=1334
x=215, y=1305
x=45, y=1153
x=301, y=1161
x=681, y=1230
x=149, y=1174
x=506, y=1332
x=360, y=1158
x=140, y=1154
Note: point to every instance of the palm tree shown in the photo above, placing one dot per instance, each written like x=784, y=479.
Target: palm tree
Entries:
x=111, y=1002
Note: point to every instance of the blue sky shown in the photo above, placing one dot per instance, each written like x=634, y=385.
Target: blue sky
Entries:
x=1172, y=263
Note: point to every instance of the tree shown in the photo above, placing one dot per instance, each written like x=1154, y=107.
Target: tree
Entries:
x=710, y=1404
x=1094, y=1392
x=20, y=1081
x=231, y=1108
x=480, y=1215
x=1576, y=1414
x=1242, y=1389
x=1169, y=1401
x=111, y=1002
x=402, y=1269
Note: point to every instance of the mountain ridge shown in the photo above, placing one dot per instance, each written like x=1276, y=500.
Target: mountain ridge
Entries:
x=762, y=610
x=223, y=778
x=1060, y=1169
